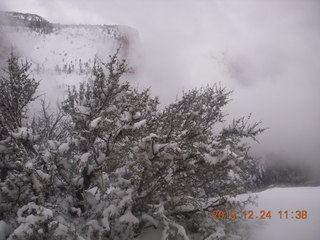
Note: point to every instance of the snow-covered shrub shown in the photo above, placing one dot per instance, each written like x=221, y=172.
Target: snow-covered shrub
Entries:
x=27, y=187
x=17, y=90
x=119, y=165
x=142, y=167
x=35, y=222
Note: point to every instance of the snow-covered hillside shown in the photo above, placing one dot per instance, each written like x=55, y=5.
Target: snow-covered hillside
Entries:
x=66, y=53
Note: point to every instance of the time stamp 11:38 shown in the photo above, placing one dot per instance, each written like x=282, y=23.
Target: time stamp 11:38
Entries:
x=263, y=214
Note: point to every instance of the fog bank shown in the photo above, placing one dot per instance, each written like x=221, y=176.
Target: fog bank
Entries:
x=266, y=51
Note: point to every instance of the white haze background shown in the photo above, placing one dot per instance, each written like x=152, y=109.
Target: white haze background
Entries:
x=266, y=51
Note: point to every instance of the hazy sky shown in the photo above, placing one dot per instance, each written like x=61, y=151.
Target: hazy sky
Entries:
x=266, y=51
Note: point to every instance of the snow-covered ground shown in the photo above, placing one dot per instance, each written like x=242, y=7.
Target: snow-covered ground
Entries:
x=275, y=200
x=292, y=200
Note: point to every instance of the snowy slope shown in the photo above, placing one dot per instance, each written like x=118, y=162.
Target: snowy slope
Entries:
x=65, y=54
x=290, y=199
x=62, y=43
x=66, y=44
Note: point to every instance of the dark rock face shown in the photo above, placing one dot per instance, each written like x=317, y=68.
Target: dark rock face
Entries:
x=32, y=21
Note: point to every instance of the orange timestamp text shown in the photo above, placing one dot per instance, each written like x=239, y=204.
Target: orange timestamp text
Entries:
x=263, y=214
